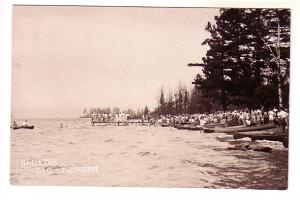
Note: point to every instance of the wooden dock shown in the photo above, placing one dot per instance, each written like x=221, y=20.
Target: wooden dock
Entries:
x=120, y=123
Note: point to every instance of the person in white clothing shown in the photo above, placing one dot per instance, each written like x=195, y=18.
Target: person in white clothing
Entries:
x=25, y=123
x=271, y=116
x=283, y=120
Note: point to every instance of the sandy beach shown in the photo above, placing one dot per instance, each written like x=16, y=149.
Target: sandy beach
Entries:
x=139, y=156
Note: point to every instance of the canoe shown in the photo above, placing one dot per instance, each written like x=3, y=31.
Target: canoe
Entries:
x=213, y=125
x=195, y=128
x=165, y=125
x=184, y=123
x=23, y=127
x=255, y=137
x=239, y=128
x=208, y=130
x=283, y=138
x=188, y=127
x=178, y=126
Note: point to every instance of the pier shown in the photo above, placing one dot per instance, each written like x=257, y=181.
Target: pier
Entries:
x=121, y=123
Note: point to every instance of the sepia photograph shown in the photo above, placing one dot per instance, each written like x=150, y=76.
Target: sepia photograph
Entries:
x=137, y=96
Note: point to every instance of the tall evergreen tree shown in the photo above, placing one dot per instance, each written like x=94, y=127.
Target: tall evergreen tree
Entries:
x=162, y=102
x=240, y=55
x=170, y=104
x=186, y=100
x=146, y=111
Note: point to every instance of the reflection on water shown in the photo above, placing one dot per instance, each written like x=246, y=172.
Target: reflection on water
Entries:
x=81, y=154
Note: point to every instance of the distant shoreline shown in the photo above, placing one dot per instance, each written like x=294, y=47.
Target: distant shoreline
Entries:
x=44, y=118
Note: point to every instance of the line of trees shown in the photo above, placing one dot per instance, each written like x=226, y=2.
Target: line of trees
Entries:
x=182, y=101
x=248, y=60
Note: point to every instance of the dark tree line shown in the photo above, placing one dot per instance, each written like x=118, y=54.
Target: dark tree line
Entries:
x=248, y=60
x=182, y=101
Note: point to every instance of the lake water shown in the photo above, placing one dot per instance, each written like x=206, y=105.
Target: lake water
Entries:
x=139, y=156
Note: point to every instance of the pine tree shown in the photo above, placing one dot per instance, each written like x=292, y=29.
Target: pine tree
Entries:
x=146, y=111
x=162, y=102
x=242, y=54
x=170, y=104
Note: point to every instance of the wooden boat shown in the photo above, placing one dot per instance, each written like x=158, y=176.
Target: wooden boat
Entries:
x=188, y=127
x=23, y=127
x=89, y=117
x=213, y=125
x=208, y=130
x=239, y=128
x=195, y=128
x=180, y=127
x=184, y=123
x=277, y=136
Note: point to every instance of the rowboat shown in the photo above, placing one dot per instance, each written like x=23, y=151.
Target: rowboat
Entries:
x=165, y=125
x=195, y=128
x=179, y=126
x=23, y=127
x=275, y=135
x=213, y=125
x=188, y=127
x=239, y=128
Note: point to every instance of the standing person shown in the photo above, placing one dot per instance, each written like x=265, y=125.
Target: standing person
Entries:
x=283, y=120
x=14, y=125
x=25, y=123
x=260, y=117
x=254, y=117
x=243, y=118
x=202, y=121
x=266, y=117
x=118, y=118
x=104, y=117
x=271, y=115
x=94, y=117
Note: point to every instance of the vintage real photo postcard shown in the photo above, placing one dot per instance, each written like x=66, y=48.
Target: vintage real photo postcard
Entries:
x=150, y=97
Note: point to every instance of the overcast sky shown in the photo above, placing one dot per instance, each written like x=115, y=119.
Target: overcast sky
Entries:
x=66, y=58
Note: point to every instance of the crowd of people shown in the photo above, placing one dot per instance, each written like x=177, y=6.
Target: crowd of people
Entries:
x=115, y=117
x=244, y=117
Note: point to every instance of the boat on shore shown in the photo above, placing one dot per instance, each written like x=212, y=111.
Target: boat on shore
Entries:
x=188, y=127
x=165, y=125
x=274, y=134
x=239, y=128
x=86, y=116
x=23, y=127
x=195, y=128
x=213, y=125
